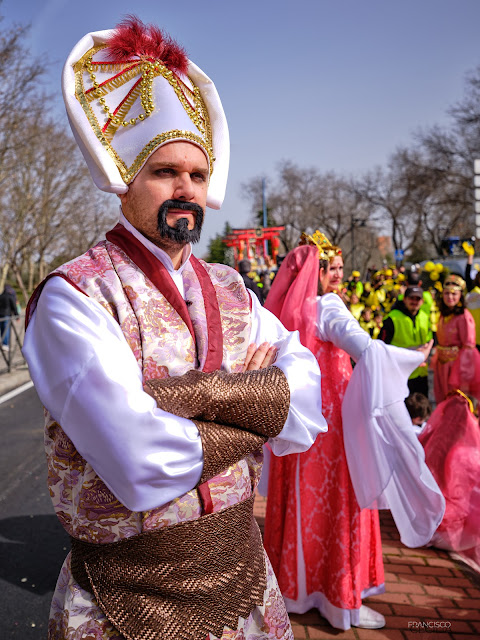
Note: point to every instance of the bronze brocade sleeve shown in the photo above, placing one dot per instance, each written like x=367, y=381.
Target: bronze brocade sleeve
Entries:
x=257, y=401
x=223, y=446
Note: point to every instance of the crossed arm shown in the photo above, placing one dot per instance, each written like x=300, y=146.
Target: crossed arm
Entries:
x=87, y=377
x=235, y=413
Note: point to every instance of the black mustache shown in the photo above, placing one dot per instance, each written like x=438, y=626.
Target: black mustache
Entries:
x=180, y=233
x=181, y=204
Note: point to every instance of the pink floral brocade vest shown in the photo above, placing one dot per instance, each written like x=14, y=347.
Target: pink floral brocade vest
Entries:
x=168, y=338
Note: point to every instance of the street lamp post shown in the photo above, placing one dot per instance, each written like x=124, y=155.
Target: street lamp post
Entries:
x=353, y=242
x=476, y=169
x=264, y=208
x=353, y=223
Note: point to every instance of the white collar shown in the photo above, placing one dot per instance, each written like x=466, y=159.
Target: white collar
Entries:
x=160, y=254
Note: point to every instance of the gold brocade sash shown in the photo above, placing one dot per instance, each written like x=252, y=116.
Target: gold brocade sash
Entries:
x=179, y=582
x=447, y=354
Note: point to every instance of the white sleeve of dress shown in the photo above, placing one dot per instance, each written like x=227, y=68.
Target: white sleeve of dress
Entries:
x=385, y=459
x=88, y=378
x=305, y=420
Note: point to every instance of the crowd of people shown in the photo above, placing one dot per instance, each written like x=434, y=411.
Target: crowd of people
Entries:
x=166, y=380
x=394, y=305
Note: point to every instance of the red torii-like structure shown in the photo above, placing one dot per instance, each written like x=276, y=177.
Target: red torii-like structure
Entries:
x=251, y=243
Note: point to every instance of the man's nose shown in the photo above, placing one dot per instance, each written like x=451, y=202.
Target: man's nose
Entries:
x=184, y=187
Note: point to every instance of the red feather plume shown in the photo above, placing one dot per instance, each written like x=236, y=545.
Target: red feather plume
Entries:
x=133, y=38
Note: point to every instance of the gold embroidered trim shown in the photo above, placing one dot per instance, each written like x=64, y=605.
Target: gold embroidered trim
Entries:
x=79, y=66
x=197, y=113
x=458, y=392
x=113, y=83
x=447, y=354
x=161, y=139
x=119, y=117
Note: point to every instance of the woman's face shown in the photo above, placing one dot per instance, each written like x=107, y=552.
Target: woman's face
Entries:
x=324, y=277
x=451, y=297
x=336, y=274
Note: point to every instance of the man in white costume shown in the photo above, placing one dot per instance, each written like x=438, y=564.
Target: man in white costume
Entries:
x=157, y=400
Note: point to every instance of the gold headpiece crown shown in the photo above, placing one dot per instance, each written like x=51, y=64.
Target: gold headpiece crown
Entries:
x=455, y=283
x=326, y=250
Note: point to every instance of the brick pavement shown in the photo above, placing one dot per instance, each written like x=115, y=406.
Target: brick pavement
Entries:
x=422, y=586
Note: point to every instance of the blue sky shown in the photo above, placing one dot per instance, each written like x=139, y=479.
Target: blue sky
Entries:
x=335, y=84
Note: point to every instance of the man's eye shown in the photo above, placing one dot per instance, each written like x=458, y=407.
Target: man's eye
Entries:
x=164, y=171
x=199, y=177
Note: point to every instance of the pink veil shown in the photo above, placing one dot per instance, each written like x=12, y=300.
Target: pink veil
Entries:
x=292, y=297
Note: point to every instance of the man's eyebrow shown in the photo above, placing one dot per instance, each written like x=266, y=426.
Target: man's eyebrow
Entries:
x=159, y=164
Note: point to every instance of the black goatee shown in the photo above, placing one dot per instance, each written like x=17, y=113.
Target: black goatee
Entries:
x=180, y=233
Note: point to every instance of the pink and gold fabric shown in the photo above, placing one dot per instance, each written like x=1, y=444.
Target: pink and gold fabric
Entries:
x=332, y=521
x=456, y=362
x=168, y=339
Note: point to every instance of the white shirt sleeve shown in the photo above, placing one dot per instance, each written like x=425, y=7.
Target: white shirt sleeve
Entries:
x=336, y=324
x=385, y=460
x=305, y=420
x=88, y=378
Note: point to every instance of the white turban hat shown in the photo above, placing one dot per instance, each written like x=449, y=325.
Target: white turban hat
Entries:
x=132, y=89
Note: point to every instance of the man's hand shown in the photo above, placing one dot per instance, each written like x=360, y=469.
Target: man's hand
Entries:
x=259, y=357
x=425, y=349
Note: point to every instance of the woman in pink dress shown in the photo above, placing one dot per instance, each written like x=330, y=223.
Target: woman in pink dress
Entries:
x=326, y=549
x=451, y=440
x=456, y=362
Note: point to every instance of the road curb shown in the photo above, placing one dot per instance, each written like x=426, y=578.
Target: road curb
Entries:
x=14, y=379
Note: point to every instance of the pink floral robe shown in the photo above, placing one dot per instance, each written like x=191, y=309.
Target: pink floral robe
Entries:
x=341, y=552
x=456, y=365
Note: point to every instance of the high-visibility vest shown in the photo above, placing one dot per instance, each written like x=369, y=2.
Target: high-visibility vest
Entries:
x=410, y=333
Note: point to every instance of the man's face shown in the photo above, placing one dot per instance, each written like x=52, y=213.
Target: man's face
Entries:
x=177, y=175
x=413, y=304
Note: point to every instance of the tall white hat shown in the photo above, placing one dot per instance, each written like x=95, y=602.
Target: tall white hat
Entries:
x=132, y=89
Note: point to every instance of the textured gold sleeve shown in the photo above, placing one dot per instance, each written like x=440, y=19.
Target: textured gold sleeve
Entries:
x=255, y=400
x=223, y=446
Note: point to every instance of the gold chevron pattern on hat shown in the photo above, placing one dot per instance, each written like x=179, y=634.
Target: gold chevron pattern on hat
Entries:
x=144, y=70
x=120, y=94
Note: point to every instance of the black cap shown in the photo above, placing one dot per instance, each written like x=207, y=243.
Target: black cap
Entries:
x=414, y=291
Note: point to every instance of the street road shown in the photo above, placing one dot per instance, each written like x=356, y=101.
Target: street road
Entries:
x=33, y=545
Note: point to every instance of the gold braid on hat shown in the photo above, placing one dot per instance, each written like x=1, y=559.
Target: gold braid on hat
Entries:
x=326, y=250
x=454, y=283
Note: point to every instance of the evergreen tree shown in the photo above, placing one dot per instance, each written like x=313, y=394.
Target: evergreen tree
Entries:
x=217, y=249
